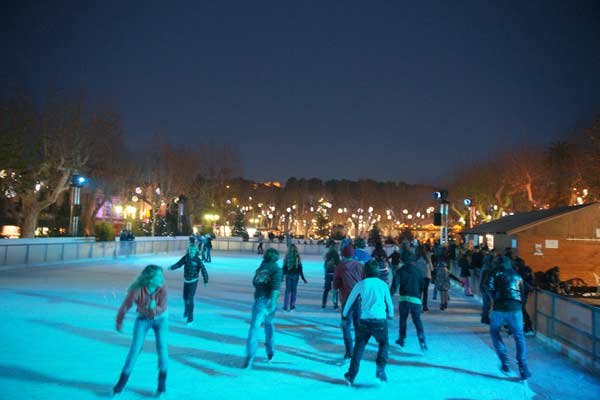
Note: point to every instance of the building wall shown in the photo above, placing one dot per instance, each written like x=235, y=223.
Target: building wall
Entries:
x=576, y=258
x=578, y=245
x=579, y=224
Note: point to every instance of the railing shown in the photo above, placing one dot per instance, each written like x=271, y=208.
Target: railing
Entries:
x=571, y=326
x=42, y=251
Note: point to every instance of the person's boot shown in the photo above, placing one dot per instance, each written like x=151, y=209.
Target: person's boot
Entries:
x=524, y=372
x=248, y=363
x=118, y=388
x=380, y=375
x=162, y=380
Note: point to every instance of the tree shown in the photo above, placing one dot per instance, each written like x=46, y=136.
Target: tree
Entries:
x=239, y=226
x=42, y=149
x=560, y=160
x=323, y=225
x=107, y=168
x=374, y=235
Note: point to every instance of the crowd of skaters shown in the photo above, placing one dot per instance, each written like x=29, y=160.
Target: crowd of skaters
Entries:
x=362, y=285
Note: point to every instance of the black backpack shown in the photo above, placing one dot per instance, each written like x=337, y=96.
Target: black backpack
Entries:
x=262, y=278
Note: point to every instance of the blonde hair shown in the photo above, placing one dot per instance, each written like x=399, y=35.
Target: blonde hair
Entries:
x=145, y=277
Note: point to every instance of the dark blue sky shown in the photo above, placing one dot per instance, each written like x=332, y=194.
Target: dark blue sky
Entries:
x=357, y=89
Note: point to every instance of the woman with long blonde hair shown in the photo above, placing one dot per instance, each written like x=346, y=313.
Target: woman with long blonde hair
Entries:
x=292, y=270
x=150, y=296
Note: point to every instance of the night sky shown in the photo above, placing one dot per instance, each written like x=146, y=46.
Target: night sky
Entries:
x=348, y=89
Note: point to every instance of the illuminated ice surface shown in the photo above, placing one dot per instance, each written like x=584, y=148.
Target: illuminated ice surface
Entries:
x=58, y=342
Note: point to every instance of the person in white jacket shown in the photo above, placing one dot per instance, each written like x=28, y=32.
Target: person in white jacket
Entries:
x=376, y=308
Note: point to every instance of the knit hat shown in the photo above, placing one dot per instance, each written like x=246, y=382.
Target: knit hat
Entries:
x=348, y=251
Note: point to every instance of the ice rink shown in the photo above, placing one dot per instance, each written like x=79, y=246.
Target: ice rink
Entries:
x=59, y=342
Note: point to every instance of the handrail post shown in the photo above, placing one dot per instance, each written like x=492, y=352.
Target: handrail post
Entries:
x=535, y=312
x=594, y=335
x=553, y=317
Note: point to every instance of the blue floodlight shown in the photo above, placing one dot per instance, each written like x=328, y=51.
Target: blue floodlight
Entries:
x=467, y=202
x=78, y=180
x=440, y=195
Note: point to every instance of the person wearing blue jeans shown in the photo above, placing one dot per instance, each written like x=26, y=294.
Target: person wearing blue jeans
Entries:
x=505, y=286
x=292, y=269
x=150, y=296
x=345, y=276
x=349, y=321
x=406, y=308
x=261, y=312
x=267, y=282
x=411, y=282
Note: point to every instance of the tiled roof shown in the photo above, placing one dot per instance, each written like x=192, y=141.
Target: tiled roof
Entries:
x=512, y=222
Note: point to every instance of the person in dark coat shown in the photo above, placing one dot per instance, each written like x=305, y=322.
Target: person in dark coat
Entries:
x=193, y=267
x=506, y=288
x=292, y=271
x=527, y=274
x=465, y=273
x=411, y=282
x=267, y=283
x=381, y=257
x=332, y=259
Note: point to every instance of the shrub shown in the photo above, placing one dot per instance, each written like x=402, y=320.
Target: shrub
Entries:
x=104, y=232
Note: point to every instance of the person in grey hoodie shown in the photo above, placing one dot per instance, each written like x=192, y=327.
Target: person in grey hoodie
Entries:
x=424, y=266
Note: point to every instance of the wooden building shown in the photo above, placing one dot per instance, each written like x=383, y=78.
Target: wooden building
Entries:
x=568, y=237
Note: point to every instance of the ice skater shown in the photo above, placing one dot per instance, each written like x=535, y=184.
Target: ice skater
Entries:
x=332, y=258
x=267, y=283
x=506, y=287
x=150, y=297
x=376, y=307
x=411, y=282
x=207, y=247
x=193, y=267
x=292, y=270
x=347, y=274
x=442, y=282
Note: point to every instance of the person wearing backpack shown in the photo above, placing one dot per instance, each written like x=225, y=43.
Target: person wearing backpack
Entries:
x=292, y=270
x=267, y=283
x=332, y=258
x=381, y=258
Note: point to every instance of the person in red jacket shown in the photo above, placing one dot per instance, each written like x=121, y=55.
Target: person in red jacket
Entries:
x=150, y=297
x=347, y=274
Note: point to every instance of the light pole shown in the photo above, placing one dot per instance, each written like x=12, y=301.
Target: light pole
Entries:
x=180, y=203
x=469, y=203
x=77, y=181
x=442, y=216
